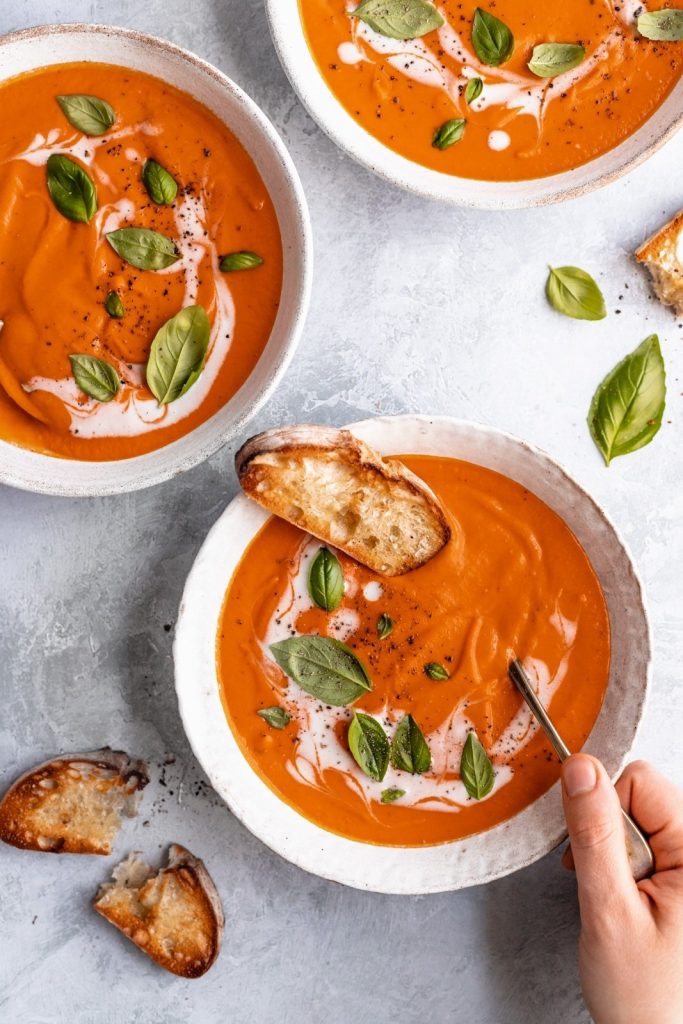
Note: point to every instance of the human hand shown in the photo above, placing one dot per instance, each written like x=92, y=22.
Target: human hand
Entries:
x=631, y=945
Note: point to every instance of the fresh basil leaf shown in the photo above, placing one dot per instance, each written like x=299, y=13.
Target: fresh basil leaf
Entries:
x=573, y=292
x=89, y=114
x=143, y=248
x=240, y=261
x=409, y=750
x=114, y=306
x=326, y=581
x=449, y=133
x=323, y=667
x=161, y=186
x=436, y=671
x=476, y=770
x=399, y=19
x=390, y=796
x=277, y=718
x=492, y=40
x=473, y=90
x=664, y=26
x=95, y=377
x=385, y=626
x=176, y=357
x=71, y=189
x=369, y=745
x=627, y=409
x=551, y=59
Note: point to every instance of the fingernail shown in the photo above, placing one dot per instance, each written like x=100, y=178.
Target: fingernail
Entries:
x=579, y=776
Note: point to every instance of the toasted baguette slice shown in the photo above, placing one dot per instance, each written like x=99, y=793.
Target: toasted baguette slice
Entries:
x=663, y=256
x=334, y=486
x=174, y=915
x=72, y=804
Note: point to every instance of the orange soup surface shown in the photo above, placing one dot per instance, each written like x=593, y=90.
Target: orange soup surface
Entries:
x=512, y=581
x=56, y=273
x=520, y=126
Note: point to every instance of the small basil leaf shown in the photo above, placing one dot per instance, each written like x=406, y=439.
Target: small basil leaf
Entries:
x=71, y=189
x=326, y=581
x=161, y=186
x=143, y=248
x=627, y=409
x=390, y=796
x=114, y=306
x=89, y=114
x=476, y=770
x=664, y=26
x=473, y=90
x=177, y=354
x=436, y=671
x=369, y=745
x=449, y=133
x=409, y=750
x=492, y=40
x=95, y=377
x=385, y=626
x=323, y=667
x=277, y=718
x=573, y=292
x=551, y=59
x=399, y=19
x=240, y=261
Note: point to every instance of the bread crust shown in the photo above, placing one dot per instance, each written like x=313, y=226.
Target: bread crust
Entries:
x=662, y=253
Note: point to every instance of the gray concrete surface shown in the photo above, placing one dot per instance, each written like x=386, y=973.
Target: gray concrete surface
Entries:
x=416, y=308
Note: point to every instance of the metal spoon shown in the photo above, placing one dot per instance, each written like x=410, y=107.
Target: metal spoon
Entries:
x=640, y=856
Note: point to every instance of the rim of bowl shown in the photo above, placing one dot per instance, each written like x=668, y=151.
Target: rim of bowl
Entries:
x=332, y=117
x=35, y=473
x=194, y=687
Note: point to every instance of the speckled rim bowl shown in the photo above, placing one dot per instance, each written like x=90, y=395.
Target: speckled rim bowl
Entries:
x=302, y=71
x=481, y=858
x=56, y=44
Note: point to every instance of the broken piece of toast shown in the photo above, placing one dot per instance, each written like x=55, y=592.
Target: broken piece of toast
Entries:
x=663, y=256
x=337, y=488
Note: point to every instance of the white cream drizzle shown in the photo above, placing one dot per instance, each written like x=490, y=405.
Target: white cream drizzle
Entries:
x=498, y=140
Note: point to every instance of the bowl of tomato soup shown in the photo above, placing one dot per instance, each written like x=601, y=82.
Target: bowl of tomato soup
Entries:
x=533, y=569
x=496, y=105
x=155, y=259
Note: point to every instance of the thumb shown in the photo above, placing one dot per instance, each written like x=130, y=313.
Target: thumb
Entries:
x=596, y=833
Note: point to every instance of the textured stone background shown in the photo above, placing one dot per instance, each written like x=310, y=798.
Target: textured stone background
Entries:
x=416, y=308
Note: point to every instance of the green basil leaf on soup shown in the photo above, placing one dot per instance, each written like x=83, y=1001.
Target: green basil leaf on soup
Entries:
x=385, y=626
x=492, y=40
x=664, y=26
x=369, y=746
x=436, y=671
x=114, y=306
x=244, y=260
x=95, y=377
x=399, y=19
x=473, y=89
x=551, y=59
x=326, y=581
x=161, y=186
x=409, y=750
x=449, y=133
x=323, y=667
x=277, y=718
x=143, y=248
x=574, y=293
x=476, y=769
x=177, y=354
x=71, y=189
x=390, y=796
x=89, y=114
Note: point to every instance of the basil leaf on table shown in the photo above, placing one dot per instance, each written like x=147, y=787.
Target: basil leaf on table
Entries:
x=176, y=357
x=399, y=19
x=664, y=26
x=161, y=186
x=276, y=717
x=473, y=90
x=449, y=133
x=436, y=671
x=71, y=189
x=143, y=248
x=409, y=750
x=95, y=377
x=369, y=746
x=492, y=40
x=390, y=796
x=114, y=306
x=385, y=626
x=476, y=770
x=551, y=59
x=627, y=408
x=240, y=261
x=574, y=293
x=323, y=667
x=89, y=114
x=326, y=581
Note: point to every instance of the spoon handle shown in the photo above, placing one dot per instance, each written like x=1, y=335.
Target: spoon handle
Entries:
x=640, y=856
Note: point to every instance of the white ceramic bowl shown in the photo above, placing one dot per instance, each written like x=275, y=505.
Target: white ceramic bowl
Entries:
x=56, y=44
x=481, y=858
x=302, y=71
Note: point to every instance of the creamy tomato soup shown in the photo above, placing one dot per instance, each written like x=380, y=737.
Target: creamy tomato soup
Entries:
x=512, y=581
x=56, y=273
x=520, y=125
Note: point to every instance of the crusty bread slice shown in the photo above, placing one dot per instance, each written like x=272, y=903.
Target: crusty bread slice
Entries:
x=663, y=256
x=334, y=486
x=72, y=804
x=174, y=915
